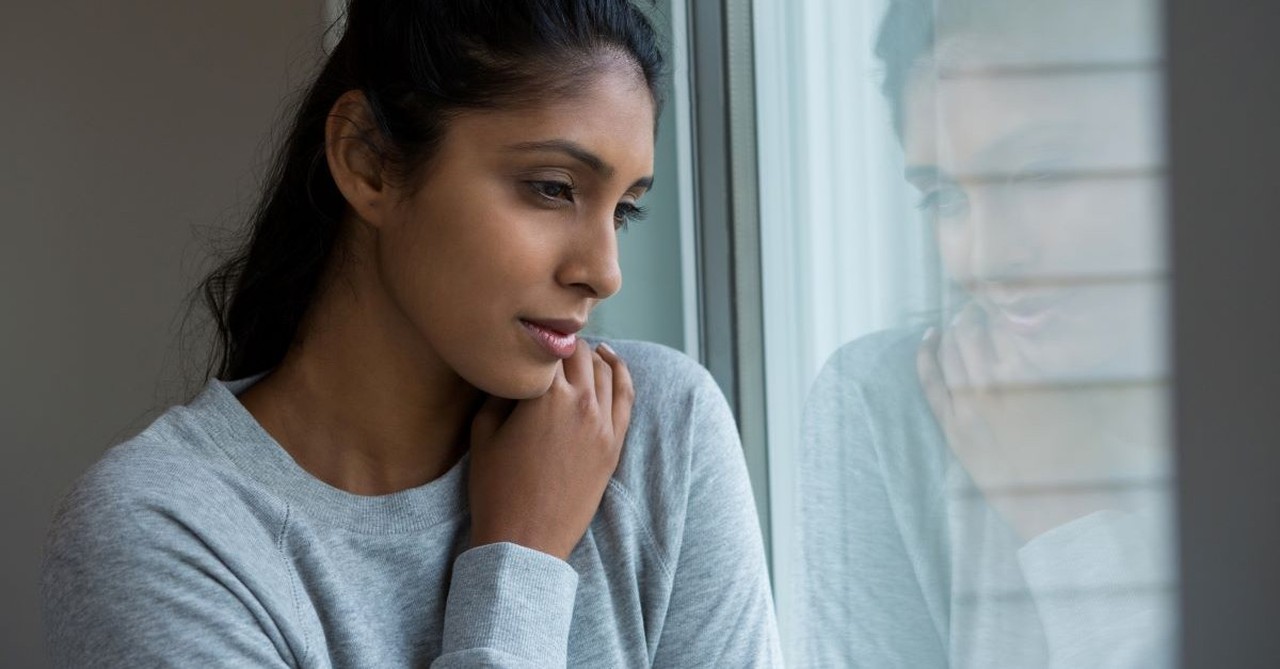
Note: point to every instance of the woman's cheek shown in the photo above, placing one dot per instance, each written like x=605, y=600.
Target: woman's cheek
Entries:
x=953, y=249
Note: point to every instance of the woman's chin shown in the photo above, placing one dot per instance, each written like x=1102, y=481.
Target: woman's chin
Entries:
x=513, y=385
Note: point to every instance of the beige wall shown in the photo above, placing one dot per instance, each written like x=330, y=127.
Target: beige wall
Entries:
x=125, y=128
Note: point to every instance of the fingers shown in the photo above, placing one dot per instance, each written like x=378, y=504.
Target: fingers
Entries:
x=578, y=367
x=623, y=392
x=931, y=377
x=969, y=356
x=603, y=375
x=604, y=382
x=951, y=363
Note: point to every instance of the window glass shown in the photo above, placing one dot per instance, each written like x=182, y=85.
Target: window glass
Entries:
x=963, y=233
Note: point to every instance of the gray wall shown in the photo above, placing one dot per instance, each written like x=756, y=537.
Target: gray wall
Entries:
x=126, y=128
x=650, y=306
x=132, y=133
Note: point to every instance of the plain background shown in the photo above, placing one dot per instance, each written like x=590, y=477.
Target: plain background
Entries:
x=134, y=134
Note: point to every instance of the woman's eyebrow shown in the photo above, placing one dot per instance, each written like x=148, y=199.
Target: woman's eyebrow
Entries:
x=580, y=154
x=571, y=149
x=923, y=175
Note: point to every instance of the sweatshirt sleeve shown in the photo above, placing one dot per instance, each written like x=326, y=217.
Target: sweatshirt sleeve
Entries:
x=721, y=608
x=1109, y=566
x=130, y=581
x=509, y=606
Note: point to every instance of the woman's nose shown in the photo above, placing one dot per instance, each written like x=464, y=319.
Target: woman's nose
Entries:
x=1002, y=245
x=592, y=262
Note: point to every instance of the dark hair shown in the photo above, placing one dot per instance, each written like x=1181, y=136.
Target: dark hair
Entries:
x=912, y=30
x=906, y=35
x=418, y=63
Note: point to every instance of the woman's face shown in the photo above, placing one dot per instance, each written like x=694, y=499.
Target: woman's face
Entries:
x=513, y=223
x=1044, y=190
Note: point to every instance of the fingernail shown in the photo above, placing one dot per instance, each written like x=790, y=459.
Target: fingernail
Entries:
x=606, y=348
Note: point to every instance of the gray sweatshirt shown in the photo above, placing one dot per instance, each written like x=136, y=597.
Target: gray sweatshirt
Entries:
x=201, y=543
x=902, y=563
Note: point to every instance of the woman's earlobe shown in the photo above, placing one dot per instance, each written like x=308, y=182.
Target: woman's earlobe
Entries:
x=351, y=149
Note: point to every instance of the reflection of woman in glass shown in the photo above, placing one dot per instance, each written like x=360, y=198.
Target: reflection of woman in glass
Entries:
x=987, y=492
x=410, y=457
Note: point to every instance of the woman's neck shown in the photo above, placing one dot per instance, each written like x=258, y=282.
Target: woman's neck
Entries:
x=360, y=402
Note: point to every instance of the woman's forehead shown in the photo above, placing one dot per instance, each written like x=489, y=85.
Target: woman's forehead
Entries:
x=612, y=119
x=1030, y=33
x=980, y=120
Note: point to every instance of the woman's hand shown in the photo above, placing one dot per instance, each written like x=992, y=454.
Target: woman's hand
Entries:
x=1041, y=451
x=539, y=467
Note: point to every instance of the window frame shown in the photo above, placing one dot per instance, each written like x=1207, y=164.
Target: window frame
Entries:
x=1221, y=131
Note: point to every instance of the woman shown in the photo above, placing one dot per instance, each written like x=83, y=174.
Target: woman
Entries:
x=410, y=458
x=990, y=492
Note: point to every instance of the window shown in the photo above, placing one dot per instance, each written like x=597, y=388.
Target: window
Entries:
x=964, y=288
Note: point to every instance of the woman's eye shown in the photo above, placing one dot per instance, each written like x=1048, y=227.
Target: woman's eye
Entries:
x=944, y=202
x=553, y=190
x=626, y=213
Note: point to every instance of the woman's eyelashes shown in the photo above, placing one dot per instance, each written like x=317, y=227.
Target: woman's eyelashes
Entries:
x=943, y=201
x=554, y=192
x=562, y=193
x=626, y=213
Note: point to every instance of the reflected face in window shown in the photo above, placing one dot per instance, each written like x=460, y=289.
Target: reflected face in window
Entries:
x=1042, y=182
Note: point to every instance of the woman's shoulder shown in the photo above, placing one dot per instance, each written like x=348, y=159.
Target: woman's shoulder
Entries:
x=886, y=355
x=164, y=487
x=682, y=433
x=654, y=365
x=675, y=397
x=877, y=368
x=869, y=431
x=158, y=527
x=177, y=456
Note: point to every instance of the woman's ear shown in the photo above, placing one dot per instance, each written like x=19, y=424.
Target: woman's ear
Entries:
x=355, y=161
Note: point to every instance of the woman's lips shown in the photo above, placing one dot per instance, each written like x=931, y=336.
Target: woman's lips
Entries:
x=1025, y=314
x=1024, y=323
x=557, y=342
